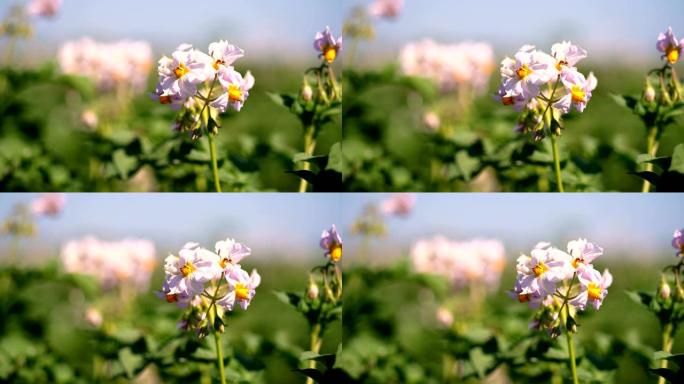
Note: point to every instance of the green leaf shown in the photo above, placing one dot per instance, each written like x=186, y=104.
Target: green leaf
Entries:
x=130, y=362
x=123, y=163
x=467, y=165
x=481, y=361
x=335, y=160
x=316, y=375
x=640, y=297
x=677, y=163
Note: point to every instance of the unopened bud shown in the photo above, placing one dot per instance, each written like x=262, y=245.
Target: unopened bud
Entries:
x=664, y=289
x=307, y=92
x=431, y=121
x=445, y=317
x=94, y=317
x=649, y=92
x=312, y=292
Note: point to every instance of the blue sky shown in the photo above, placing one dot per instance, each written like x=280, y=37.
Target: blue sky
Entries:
x=277, y=223
x=268, y=28
x=279, y=29
x=637, y=224
x=606, y=28
x=289, y=225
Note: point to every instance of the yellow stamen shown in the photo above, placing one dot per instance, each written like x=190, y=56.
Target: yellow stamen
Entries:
x=336, y=253
x=330, y=53
x=241, y=291
x=576, y=262
x=234, y=93
x=218, y=63
x=224, y=262
x=523, y=71
x=187, y=269
x=594, y=291
x=180, y=70
x=560, y=64
x=672, y=54
x=539, y=269
x=578, y=95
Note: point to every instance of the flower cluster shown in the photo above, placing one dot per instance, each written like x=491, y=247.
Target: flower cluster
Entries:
x=669, y=46
x=125, y=263
x=552, y=279
x=123, y=64
x=535, y=81
x=196, y=80
x=43, y=8
x=463, y=263
x=202, y=279
x=331, y=242
x=327, y=46
x=388, y=9
x=48, y=204
x=452, y=66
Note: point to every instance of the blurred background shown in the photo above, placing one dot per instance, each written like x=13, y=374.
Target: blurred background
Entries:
x=56, y=310
x=407, y=131
x=407, y=320
x=57, y=112
x=609, y=30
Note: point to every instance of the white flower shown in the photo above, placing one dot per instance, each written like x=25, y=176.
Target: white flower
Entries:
x=231, y=252
x=191, y=269
x=241, y=288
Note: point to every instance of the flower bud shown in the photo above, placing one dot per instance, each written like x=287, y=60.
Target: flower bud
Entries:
x=94, y=317
x=307, y=92
x=664, y=290
x=312, y=291
x=649, y=92
x=431, y=121
x=445, y=317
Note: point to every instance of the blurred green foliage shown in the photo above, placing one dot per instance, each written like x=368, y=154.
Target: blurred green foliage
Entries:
x=387, y=146
x=392, y=335
x=45, y=146
x=45, y=337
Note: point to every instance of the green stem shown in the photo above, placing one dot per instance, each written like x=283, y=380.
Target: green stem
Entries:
x=309, y=146
x=652, y=148
x=315, y=347
x=214, y=163
x=219, y=357
x=571, y=348
x=556, y=162
x=667, y=347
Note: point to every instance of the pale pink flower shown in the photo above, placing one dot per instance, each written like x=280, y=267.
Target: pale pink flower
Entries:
x=594, y=288
x=241, y=288
x=477, y=261
x=43, y=8
x=123, y=64
x=388, y=9
x=399, y=204
x=48, y=204
x=464, y=65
